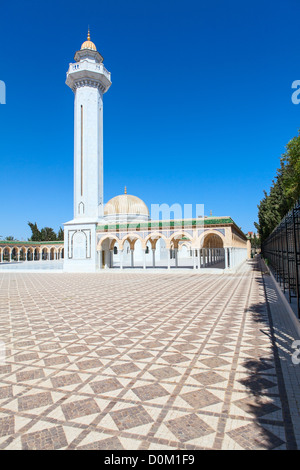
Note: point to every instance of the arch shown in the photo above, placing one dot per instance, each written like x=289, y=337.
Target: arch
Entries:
x=199, y=242
x=185, y=244
x=29, y=253
x=7, y=253
x=131, y=238
x=14, y=253
x=153, y=237
x=177, y=237
x=52, y=253
x=23, y=253
x=212, y=240
x=44, y=252
x=113, y=239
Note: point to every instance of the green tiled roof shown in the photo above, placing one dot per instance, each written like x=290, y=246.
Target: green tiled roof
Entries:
x=167, y=223
x=22, y=242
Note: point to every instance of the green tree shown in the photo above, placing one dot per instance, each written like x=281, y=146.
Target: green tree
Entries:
x=48, y=234
x=60, y=234
x=36, y=234
x=255, y=242
x=284, y=192
x=291, y=176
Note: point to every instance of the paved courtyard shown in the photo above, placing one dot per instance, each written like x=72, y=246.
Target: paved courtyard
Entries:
x=146, y=361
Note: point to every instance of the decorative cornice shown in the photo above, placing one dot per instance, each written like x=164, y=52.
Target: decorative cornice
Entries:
x=88, y=82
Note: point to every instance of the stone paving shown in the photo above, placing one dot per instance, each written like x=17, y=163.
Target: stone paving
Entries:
x=145, y=361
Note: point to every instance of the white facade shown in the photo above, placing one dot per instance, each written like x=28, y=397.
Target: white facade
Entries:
x=121, y=234
x=89, y=80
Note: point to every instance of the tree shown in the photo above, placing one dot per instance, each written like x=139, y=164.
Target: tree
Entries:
x=36, y=234
x=10, y=238
x=284, y=192
x=255, y=242
x=60, y=234
x=46, y=234
x=291, y=162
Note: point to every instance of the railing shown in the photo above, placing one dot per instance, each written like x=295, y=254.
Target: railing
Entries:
x=91, y=66
x=282, y=249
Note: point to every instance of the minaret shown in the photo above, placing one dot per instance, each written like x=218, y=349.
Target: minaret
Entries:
x=89, y=80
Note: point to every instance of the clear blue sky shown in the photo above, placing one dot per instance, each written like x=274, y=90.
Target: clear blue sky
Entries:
x=199, y=110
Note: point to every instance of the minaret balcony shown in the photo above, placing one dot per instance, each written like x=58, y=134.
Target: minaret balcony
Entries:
x=90, y=71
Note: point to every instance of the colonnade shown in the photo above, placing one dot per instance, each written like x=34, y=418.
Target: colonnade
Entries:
x=9, y=254
x=202, y=258
x=235, y=256
x=223, y=258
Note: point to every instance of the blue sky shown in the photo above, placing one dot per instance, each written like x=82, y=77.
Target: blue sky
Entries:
x=199, y=110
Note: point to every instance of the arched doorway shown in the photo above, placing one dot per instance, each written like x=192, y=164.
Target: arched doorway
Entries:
x=212, y=252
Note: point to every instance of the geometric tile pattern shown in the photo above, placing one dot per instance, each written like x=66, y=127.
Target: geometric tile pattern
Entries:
x=139, y=361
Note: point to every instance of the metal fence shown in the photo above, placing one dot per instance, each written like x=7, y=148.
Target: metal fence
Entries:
x=282, y=249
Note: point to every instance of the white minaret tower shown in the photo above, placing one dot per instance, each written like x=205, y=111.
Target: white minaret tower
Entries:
x=89, y=80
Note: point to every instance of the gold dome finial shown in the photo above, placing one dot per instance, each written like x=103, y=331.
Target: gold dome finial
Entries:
x=125, y=191
x=88, y=44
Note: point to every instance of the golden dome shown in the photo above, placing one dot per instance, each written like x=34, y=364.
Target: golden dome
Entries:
x=126, y=204
x=88, y=44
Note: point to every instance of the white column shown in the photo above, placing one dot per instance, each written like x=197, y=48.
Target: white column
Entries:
x=199, y=258
x=111, y=258
x=144, y=259
x=99, y=258
x=194, y=258
x=169, y=253
x=153, y=257
x=132, y=258
x=176, y=257
x=226, y=258
x=121, y=258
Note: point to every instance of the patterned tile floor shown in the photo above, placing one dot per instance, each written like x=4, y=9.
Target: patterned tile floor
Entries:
x=141, y=361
